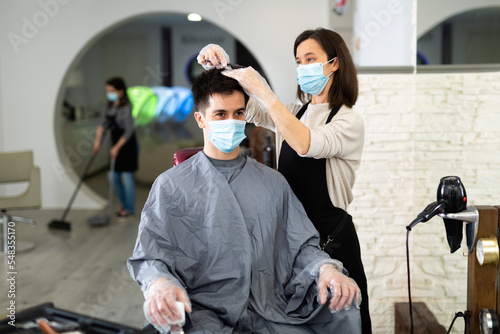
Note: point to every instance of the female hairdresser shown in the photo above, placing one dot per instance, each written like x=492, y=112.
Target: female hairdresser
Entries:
x=322, y=139
x=118, y=120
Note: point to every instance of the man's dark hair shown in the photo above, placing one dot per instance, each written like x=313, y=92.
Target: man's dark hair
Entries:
x=213, y=82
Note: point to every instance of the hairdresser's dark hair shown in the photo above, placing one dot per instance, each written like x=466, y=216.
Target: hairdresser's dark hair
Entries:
x=344, y=89
x=213, y=82
x=119, y=84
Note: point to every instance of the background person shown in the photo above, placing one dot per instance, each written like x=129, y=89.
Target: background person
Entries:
x=118, y=121
x=321, y=139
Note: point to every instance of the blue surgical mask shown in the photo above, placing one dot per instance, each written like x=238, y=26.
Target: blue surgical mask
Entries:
x=226, y=135
x=311, y=79
x=112, y=96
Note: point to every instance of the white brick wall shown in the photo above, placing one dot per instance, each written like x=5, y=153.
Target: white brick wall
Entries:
x=420, y=128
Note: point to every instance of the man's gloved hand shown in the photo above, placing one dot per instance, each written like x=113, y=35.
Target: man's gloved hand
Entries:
x=344, y=290
x=160, y=306
x=254, y=85
x=213, y=56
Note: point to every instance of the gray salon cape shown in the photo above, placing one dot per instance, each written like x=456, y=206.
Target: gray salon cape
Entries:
x=243, y=249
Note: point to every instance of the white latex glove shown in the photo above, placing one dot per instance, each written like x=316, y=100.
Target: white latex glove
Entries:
x=254, y=85
x=344, y=290
x=213, y=56
x=165, y=304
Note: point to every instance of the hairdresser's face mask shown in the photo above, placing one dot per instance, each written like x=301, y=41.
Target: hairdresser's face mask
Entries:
x=311, y=79
x=226, y=135
x=112, y=96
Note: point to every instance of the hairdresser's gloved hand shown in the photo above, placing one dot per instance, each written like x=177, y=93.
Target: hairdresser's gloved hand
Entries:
x=344, y=290
x=213, y=56
x=161, y=306
x=254, y=85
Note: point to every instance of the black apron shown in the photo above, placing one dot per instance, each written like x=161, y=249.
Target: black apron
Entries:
x=307, y=178
x=126, y=161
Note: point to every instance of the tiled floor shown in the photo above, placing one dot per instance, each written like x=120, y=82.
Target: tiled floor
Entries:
x=82, y=270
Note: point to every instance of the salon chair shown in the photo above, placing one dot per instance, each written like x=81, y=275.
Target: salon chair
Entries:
x=15, y=168
x=184, y=154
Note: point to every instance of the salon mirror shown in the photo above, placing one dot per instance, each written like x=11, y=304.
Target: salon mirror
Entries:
x=156, y=51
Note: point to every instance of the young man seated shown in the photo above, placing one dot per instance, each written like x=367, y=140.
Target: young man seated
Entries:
x=224, y=238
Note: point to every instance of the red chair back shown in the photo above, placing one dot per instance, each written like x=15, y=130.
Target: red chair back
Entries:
x=185, y=154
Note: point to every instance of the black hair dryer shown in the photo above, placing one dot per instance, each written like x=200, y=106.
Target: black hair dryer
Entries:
x=452, y=190
x=451, y=205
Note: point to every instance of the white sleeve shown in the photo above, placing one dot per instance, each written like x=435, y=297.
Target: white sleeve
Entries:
x=343, y=137
x=257, y=116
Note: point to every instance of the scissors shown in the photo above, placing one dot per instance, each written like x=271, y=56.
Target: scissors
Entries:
x=231, y=66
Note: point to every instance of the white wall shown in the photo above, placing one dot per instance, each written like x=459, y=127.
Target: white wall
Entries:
x=431, y=12
x=384, y=33
x=42, y=39
x=343, y=24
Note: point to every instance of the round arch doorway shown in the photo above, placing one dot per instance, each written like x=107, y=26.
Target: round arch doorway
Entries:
x=156, y=50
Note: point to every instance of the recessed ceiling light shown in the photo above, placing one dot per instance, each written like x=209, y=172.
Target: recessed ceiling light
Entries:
x=194, y=17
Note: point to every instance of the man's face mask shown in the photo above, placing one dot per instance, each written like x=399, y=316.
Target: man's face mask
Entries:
x=311, y=79
x=226, y=135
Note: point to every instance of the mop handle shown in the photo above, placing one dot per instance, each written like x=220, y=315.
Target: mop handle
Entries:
x=111, y=187
x=85, y=172
x=78, y=186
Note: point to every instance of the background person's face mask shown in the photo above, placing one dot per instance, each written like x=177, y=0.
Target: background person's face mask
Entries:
x=112, y=96
x=311, y=79
x=226, y=135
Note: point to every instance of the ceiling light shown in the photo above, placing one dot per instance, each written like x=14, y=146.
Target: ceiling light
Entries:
x=194, y=17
